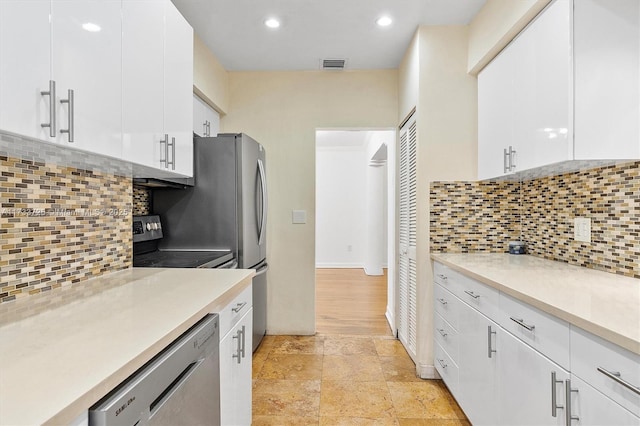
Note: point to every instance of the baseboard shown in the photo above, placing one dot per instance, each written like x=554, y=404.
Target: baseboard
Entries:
x=426, y=371
x=391, y=320
x=373, y=271
x=339, y=266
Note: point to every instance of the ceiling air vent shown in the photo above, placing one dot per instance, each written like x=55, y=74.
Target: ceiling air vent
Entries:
x=333, y=64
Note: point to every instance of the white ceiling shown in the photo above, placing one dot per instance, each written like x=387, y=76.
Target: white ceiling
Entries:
x=312, y=30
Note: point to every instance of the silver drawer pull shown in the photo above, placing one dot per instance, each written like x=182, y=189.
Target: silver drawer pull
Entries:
x=442, y=363
x=521, y=323
x=567, y=398
x=442, y=332
x=490, y=350
x=238, y=307
x=442, y=301
x=617, y=377
x=472, y=294
x=554, y=396
x=443, y=277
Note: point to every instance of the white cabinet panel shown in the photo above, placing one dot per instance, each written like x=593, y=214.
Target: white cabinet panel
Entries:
x=143, y=80
x=199, y=122
x=87, y=58
x=178, y=90
x=542, y=89
x=478, y=366
x=591, y=408
x=607, y=78
x=212, y=119
x=526, y=393
x=235, y=373
x=447, y=368
x=25, y=66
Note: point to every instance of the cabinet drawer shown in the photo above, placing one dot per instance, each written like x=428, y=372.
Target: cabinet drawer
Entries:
x=446, y=277
x=235, y=310
x=446, y=335
x=447, y=305
x=545, y=333
x=590, y=353
x=447, y=369
x=480, y=296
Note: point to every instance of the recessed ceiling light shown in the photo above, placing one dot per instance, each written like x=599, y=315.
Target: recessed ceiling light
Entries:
x=272, y=23
x=384, y=21
x=91, y=27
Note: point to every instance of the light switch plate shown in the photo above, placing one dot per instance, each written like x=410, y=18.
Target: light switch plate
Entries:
x=582, y=229
x=299, y=216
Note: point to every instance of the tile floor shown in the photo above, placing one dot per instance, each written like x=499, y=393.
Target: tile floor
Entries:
x=345, y=380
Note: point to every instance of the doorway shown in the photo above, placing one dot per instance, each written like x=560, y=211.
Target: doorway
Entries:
x=355, y=231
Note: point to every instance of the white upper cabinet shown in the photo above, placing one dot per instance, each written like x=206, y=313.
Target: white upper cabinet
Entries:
x=25, y=67
x=143, y=81
x=87, y=67
x=178, y=91
x=206, y=120
x=567, y=88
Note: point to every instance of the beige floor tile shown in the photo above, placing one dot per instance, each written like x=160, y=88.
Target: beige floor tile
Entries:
x=390, y=347
x=299, y=398
x=357, y=421
x=356, y=368
x=432, y=422
x=426, y=399
x=355, y=399
x=343, y=345
x=284, y=421
x=298, y=345
x=399, y=369
x=256, y=366
x=292, y=367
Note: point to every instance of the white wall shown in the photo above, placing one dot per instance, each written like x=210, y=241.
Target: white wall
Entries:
x=340, y=206
x=282, y=110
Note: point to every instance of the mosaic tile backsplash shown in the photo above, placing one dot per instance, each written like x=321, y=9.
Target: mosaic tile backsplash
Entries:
x=481, y=216
x=141, y=201
x=60, y=226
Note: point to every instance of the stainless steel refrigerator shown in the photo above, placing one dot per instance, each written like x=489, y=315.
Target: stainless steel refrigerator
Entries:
x=225, y=209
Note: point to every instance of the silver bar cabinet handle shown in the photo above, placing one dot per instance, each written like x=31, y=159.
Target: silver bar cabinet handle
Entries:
x=490, y=350
x=442, y=332
x=442, y=301
x=238, y=346
x=204, y=129
x=443, y=277
x=70, y=122
x=521, y=323
x=238, y=307
x=164, y=142
x=512, y=159
x=244, y=335
x=173, y=153
x=617, y=377
x=506, y=161
x=442, y=363
x=554, y=401
x=567, y=412
x=52, y=108
x=472, y=294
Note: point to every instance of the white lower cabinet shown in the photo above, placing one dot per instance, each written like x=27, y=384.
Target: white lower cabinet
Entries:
x=531, y=385
x=592, y=408
x=526, y=367
x=478, y=366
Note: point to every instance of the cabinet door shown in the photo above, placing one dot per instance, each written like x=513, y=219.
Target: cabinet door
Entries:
x=212, y=118
x=25, y=66
x=478, y=366
x=495, y=114
x=235, y=373
x=199, y=125
x=142, y=80
x=525, y=385
x=593, y=408
x=178, y=89
x=87, y=58
x=543, y=74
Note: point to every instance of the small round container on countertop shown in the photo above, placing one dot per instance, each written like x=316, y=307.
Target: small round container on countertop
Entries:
x=516, y=247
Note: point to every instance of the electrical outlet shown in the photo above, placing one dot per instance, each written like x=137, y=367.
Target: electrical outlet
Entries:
x=582, y=229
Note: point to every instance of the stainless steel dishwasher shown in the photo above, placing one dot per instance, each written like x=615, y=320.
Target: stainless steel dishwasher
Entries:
x=180, y=386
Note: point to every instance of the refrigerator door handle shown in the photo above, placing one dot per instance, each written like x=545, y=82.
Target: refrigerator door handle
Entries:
x=263, y=217
x=262, y=270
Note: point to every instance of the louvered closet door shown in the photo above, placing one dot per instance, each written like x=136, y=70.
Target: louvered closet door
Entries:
x=407, y=295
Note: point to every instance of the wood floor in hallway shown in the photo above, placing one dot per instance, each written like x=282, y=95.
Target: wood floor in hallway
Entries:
x=348, y=301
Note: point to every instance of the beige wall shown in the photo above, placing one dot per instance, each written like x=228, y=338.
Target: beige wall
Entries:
x=210, y=79
x=282, y=110
x=446, y=104
x=497, y=23
x=409, y=79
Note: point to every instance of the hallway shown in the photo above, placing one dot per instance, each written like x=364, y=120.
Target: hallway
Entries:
x=353, y=372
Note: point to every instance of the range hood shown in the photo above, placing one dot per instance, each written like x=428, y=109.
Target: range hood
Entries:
x=173, y=183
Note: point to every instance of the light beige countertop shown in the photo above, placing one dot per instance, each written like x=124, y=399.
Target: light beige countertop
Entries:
x=61, y=351
x=602, y=303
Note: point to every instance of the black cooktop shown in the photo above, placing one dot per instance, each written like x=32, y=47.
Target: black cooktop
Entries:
x=182, y=259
